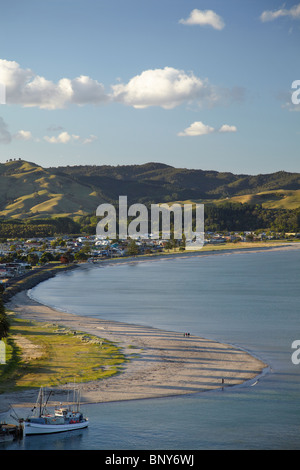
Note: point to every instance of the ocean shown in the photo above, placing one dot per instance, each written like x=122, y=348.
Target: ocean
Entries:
x=246, y=298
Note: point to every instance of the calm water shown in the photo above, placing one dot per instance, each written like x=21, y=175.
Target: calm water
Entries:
x=248, y=299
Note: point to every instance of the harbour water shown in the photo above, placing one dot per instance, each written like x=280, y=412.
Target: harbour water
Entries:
x=249, y=299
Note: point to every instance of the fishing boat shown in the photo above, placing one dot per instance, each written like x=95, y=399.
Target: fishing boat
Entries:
x=64, y=418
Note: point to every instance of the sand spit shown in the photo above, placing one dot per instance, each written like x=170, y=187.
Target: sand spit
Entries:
x=161, y=363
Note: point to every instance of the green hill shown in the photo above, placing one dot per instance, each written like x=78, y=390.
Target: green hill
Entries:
x=28, y=190
x=279, y=199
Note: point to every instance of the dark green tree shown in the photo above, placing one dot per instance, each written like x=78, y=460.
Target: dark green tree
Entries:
x=132, y=249
x=80, y=256
x=4, y=321
x=46, y=257
x=33, y=259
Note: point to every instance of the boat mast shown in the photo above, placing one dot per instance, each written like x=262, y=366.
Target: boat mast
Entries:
x=40, y=399
x=45, y=405
x=78, y=399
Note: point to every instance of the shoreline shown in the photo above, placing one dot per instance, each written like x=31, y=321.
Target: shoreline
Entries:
x=199, y=253
x=161, y=363
x=35, y=277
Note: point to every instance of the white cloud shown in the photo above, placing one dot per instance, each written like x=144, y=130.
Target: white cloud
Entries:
x=26, y=88
x=269, y=15
x=166, y=87
x=290, y=100
x=62, y=138
x=90, y=139
x=86, y=90
x=290, y=106
x=65, y=138
x=204, y=18
x=2, y=93
x=227, y=128
x=23, y=135
x=198, y=128
x=6, y=137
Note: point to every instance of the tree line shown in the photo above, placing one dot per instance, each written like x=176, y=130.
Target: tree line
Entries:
x=38, y=228
x=230, y=217
x=224, y=217
x=245, y=217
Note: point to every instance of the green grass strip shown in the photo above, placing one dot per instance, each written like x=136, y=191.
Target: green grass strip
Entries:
x=43, y=354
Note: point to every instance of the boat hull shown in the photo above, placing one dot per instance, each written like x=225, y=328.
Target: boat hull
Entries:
x=37, y=428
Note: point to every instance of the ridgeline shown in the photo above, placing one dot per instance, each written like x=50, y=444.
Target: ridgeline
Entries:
x=37, y=201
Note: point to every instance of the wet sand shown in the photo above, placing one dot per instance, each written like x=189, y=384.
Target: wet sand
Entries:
x=161, y=363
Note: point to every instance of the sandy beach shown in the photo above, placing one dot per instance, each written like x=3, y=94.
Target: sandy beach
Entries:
x=162, y=363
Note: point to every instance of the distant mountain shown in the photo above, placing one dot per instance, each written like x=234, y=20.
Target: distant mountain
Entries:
x=29, y=190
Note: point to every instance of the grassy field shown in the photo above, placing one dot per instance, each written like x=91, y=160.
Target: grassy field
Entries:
x=235, y=246
x=243, y=245
x=279, y=199
x=45, y=354
x=31, y=190
x=275, y=199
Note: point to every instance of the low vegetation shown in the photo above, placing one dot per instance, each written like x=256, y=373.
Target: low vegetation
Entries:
x=45, y=354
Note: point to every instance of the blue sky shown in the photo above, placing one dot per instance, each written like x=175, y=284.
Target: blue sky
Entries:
x=194, y=84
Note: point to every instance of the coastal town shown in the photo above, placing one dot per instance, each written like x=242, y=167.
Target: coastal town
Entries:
x=19, y=256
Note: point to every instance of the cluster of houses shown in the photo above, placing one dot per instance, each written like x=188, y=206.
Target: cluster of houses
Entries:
x=215, y=238
x=17, y=256
x=9, y=270
x=104, y=248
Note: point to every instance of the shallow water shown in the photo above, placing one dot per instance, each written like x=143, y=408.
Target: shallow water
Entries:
x=247, y=299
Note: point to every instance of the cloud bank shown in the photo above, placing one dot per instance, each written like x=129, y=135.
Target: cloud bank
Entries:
x=166, y=87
